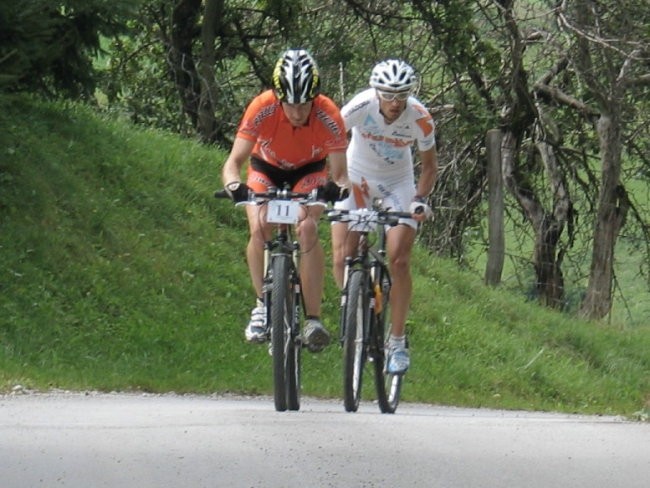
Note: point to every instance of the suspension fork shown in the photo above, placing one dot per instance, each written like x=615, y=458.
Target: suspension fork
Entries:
x=271, y=247
x=297, y=285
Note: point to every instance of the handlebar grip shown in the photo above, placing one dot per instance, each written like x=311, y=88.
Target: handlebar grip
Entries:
x=221, y=194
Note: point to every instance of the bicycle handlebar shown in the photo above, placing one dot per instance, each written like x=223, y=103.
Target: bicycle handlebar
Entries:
x=367, y=216
x=257, y=198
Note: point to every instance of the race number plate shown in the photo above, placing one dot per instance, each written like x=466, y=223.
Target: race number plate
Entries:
x=283, y=212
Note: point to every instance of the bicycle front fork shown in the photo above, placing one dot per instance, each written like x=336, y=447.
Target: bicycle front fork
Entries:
x=267, y=285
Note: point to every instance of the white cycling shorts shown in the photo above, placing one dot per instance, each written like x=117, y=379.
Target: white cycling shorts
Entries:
x=396, y=197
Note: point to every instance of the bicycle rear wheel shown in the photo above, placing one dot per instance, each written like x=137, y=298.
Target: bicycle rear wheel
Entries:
x=388, y=386
x=286, y=356
x=354, y=356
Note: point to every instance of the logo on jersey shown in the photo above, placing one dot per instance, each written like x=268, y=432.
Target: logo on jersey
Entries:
x=328, y=122
x=357, y=107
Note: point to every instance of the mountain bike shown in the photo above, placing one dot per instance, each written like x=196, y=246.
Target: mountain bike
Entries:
x=365, y=307
x=282, y=290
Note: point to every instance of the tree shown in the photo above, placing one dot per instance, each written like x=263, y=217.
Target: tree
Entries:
x=49, y=47
x=216, y=54
x=544, y=93
x=524, y=118
x=610, y=53
x=491, y=67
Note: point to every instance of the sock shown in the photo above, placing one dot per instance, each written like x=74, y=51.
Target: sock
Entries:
x=397, y=341
x=260, y=302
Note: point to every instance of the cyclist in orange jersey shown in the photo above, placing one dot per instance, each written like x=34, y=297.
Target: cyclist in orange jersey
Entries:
x=290, y=135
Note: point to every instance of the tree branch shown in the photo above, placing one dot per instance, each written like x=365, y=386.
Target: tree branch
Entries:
x=564, y=99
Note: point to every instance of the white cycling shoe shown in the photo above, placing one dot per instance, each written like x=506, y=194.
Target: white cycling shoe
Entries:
x=256, y=331
x=398, y=361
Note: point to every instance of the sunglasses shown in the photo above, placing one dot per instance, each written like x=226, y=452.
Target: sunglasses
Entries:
x=390, y=96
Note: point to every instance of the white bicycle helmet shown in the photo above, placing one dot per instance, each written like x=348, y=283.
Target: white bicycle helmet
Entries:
x=393, y=75
x=295, y=77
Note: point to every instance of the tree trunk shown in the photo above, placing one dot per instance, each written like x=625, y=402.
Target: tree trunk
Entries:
x=613, y=205
x=548, y=227
x=548, y=258
x=184, y=21
x=207, y=124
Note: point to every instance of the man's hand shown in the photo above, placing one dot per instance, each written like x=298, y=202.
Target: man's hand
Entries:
x=331, y=192
x=420, y=209
x=237, y=191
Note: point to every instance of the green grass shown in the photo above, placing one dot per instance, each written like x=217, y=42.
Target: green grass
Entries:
x=119, y=271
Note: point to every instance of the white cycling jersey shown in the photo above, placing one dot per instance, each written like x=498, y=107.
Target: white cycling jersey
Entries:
x=379, y=155
x=383, y=149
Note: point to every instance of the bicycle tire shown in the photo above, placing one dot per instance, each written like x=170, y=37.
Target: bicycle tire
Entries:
x=354, y=354
x=281, y=316
x=388, y=386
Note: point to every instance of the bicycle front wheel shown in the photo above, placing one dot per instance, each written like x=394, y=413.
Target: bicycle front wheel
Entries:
x=388, y=386
x=286, y=356
x=354, y=357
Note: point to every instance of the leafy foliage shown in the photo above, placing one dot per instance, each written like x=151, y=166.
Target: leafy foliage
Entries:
x=50, y=46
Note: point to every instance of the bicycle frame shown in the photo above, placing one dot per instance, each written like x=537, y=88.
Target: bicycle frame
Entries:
x=281, y=245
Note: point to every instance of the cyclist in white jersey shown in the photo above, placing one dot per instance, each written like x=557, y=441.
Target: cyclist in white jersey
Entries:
x=386, y=121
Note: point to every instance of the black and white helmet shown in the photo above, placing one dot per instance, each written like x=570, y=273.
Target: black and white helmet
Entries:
x=295, y=77
x=393, y=75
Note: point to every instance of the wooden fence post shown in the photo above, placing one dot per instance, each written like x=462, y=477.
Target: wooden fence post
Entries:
x=496, y=245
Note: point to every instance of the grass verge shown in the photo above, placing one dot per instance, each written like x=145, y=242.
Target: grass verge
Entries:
x=119, y=271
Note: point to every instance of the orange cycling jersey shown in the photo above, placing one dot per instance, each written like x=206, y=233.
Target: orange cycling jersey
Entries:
x=280, y=144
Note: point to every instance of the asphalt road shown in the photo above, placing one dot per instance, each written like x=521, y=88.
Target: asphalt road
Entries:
x=116, y=440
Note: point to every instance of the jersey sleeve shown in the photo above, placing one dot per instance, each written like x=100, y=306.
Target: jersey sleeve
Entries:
x=426, y=138
x=353, y=111
x=335, y=138
x=254, y=115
